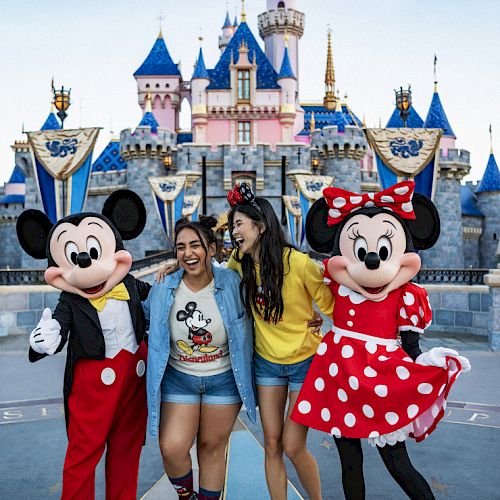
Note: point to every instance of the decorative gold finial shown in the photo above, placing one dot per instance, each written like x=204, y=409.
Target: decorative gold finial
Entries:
x=491, y=141
x=312, y=124
x=160, y=20
x=329, y=101
x=243, y=13
x=435, y=69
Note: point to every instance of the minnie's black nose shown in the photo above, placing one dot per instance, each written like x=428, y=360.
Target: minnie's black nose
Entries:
x=372, y=260
x=83, y=259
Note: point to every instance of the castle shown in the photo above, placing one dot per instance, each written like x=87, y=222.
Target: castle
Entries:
x=249, y=123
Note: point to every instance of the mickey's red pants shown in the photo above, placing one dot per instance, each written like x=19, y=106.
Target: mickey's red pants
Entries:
x=107, y=409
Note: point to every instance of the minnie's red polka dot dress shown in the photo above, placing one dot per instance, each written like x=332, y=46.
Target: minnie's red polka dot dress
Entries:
x=361, y=384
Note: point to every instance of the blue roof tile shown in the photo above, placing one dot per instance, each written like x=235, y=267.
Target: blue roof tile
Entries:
x=51, y=123
x=286, y=70
x=158, y=62
x=491, y=176
x=468, y=201
x=266, y=75
x=414, y=120
x=149, y=120
x=184, y=137
x=326, y=117
x=200, y=71
x=17, y=176
x=436, y=117
x=12, y=198
x=110, y=159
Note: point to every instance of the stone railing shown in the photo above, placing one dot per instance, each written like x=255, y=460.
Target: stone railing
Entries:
x=451, y=276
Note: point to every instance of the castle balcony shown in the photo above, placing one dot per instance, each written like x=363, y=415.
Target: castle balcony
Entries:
x=454, y=164
x=282, y=21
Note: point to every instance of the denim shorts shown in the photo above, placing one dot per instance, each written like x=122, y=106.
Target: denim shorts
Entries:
x=178, y=387
x=272, y=374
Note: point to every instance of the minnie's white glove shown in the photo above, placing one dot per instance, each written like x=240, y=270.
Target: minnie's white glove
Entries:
x=437, y=357
x=46, y=337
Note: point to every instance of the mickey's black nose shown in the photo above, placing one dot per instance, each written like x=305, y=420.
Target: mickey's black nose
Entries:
x=83, y=259
x=372, y=260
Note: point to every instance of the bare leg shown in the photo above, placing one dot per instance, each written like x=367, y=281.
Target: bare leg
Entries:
x=178, y=428
x=295, y=446
x=272, y=401
x=216, y=424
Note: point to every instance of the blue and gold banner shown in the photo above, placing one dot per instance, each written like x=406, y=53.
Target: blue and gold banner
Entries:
x=62, y=161
x=190, y=207
x=169, y=194
x=294, y=219
x=407, y=154
x=309, y=189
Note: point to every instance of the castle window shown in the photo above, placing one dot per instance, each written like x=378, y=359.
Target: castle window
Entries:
x=157, y=85
x=243, y=85
x=167, y=85
x=281, y=5
x=243, y=132
x=147, y=85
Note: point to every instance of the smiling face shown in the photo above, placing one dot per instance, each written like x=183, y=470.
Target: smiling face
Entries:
x=246, y=233
x=87, y=262
x=190, y=252
x=373, y=261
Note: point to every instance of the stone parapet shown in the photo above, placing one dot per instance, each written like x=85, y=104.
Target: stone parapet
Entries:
x=455, y=164
x=143, y=143
x=282, y=21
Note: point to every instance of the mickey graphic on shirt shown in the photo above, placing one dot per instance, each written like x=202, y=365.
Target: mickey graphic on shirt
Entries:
x=198, y=335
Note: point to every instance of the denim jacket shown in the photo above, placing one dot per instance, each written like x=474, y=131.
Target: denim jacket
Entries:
x=239, y=331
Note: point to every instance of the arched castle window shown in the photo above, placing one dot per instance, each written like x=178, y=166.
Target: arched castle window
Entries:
x=147, y=85
x=167, y=86
x=281, y=5
x=157, y=85
x=243, y=85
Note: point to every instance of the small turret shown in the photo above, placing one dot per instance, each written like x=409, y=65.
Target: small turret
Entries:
x=228, y=30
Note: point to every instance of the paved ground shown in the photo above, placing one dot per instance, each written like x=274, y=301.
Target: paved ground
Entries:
x=460, y=459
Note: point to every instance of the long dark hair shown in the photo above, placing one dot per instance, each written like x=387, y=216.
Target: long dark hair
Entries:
x=272, y=270
x=202, y=227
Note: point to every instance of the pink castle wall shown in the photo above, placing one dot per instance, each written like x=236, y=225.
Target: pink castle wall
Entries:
x=218, y=131
x=165, y=116
x=445, y=144
x=269, y=131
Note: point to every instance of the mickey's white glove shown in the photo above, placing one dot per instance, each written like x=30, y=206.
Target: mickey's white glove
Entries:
x=46, y=337
x=437, y=357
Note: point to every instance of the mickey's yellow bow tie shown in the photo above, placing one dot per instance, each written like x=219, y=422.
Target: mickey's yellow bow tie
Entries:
x=119, y=292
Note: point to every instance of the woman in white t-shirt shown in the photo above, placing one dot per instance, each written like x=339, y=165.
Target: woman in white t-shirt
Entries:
x=199, y=361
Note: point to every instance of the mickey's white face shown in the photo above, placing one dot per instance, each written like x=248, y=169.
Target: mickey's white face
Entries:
x=86, y=257
x=373, y=261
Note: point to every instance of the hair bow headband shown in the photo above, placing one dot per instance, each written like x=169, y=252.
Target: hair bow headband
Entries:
x=396, y=198
x=242, y=194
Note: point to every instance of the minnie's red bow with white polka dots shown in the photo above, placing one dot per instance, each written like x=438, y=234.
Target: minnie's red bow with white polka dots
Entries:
x=396, y=198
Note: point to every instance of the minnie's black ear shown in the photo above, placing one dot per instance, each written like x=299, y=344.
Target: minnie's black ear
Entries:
x=127, y=212
x=319, y=235
x=33, y=228
x=426, y=227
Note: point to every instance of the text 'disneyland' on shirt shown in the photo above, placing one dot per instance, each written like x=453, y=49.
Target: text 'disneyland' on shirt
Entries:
x=198, y=340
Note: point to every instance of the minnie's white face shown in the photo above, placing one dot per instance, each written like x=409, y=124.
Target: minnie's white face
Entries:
x=86, y=257
x=373, y=261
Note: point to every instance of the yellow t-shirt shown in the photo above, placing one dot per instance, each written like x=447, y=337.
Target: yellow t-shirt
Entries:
x=290, y=340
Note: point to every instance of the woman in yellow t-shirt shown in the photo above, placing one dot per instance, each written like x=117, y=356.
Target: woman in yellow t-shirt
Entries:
x=278, y=286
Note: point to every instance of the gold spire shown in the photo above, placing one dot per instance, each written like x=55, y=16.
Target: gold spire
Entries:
x=435, y=78
x=329, y=101
x=312, y=124
x=160, y=19
x=243, y=13
x=491, y=141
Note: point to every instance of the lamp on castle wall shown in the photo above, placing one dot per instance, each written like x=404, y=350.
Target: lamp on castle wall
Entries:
x=167, y=162
x=314, y=160
x=61, y=102
x=403, y=103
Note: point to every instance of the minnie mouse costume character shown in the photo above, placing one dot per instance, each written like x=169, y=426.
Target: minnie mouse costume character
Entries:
x=364, y=383
x=99, y=314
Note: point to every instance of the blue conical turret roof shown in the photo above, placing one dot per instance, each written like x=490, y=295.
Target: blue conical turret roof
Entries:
x=414, y=120
x=17, y=176
x=436, y=117
x=227, y=22
x=158, y=62
x=51, y=123
x=491, y=177
x=235, y=24
x=200, y=71
x=149, y=120
x=468, y=201
x=286, y=70
x=266, y=74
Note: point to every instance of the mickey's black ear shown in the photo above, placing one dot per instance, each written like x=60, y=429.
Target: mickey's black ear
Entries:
x=426, y=227
x=127, y=212
x=33, y=228
x=319, y=235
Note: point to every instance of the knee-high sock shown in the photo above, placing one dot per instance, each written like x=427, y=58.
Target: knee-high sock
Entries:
x=398, y=464
x=183, y=485
x=351, y=459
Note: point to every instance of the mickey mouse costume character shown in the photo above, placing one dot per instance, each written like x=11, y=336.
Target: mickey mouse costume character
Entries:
x=362, y=382
x=99, y=315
